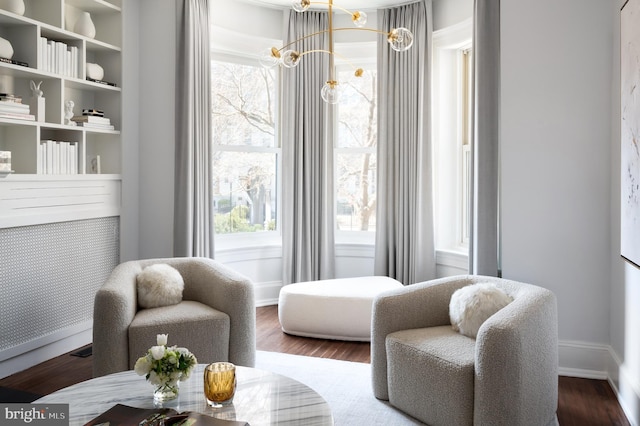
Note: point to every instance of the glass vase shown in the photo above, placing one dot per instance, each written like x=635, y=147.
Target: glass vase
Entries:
x=166, y=391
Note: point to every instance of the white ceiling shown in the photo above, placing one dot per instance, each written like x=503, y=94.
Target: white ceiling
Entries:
x=347, y=4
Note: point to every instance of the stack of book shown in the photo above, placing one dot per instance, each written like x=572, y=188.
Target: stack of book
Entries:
x=94, y=119
x=58, y=57
x=57, y=158
x=11, y=106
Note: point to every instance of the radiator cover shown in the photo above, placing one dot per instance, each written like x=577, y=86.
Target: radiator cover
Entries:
x=49, y=275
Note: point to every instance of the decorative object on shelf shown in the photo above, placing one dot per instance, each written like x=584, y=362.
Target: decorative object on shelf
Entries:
x=165, y=367
x=6, y=49
x=68, y=113
x=5, y=161
x=13, y=6
x=94, y=71
x=84, y=25
x=400, y=39
x=94, y=165
x=37, y=101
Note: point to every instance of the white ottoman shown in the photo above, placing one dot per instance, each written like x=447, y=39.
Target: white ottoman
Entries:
x=331, y=309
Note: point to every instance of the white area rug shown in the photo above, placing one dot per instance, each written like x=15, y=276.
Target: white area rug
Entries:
x=346, y=386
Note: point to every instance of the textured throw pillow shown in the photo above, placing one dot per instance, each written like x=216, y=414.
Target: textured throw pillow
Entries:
x=470, y=306
x=159, y=285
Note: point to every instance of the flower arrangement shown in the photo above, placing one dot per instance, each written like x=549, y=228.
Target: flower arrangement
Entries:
x=165, y=366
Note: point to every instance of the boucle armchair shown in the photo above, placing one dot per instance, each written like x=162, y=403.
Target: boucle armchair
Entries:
x=216, y=319
x=507, y=376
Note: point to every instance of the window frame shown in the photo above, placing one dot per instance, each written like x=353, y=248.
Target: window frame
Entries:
x=367, y=63
x=452, y=135
x=238, y=240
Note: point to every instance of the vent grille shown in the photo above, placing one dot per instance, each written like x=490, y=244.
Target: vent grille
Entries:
x=49, y=275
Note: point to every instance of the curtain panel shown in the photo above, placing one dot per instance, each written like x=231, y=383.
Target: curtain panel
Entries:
x=307, y=150
x=405, y=247
x=484, y=244
x=193, y=228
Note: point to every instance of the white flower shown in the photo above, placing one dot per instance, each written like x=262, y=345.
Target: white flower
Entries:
x=161, y=339
x=155, y=379
x=157, y=352
x=143, y=366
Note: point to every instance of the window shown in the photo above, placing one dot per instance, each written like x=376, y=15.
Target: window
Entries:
x=452, y=133
x=245, y=149
x=355, y=153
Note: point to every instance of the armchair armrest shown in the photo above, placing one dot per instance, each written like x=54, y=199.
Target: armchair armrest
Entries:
x=418, y=305
x=210, y=282
x=517, y=361
x=115, y=305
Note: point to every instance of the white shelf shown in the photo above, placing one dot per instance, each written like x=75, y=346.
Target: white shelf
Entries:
x=54, y=20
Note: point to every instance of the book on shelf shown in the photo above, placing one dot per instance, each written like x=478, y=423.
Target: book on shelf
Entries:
x=125, y=415
x=9, y=97
x=91, y=119
x=17, y=116
x=14, y=62
x=108, y=83
x=57, y=158
x=14, y=108
x=97, y=126
x=93, y=112
x=58, y=57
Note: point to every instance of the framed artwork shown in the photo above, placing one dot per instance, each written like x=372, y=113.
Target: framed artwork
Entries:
x=630, y=130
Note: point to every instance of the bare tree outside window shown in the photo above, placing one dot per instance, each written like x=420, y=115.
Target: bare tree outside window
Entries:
x=356, y=162
x=245, y=150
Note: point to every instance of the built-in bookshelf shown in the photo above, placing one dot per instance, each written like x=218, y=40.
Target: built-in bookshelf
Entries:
x=61, y=184
x=50, y=53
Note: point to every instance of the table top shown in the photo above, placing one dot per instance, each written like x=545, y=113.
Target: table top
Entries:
x=262, y=398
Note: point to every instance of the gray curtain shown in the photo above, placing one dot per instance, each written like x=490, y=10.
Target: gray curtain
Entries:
x=193, y=227
x=484, y=248
x=404, y=231
x=307, y=149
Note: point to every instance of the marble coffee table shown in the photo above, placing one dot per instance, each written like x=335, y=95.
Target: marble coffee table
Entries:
x=262, y=398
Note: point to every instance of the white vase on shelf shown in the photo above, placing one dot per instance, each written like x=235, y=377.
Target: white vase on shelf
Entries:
x=94, y=71
x=84, y=25
x=6, y=50
x=13, y=6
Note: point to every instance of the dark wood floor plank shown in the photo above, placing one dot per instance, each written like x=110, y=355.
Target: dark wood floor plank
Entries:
x=581, y=402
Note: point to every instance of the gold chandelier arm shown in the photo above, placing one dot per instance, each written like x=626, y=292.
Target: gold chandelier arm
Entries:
x=302, y=38
x=334, y=29
x=373, y=30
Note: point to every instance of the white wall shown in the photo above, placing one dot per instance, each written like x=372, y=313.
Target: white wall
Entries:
x=555, y=175
x=157, y=126
x=560, y=159
x=129, y=218
x=450, y=12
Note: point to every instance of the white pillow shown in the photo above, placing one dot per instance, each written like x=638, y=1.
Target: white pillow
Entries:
x=159, y=285
x=470, y=306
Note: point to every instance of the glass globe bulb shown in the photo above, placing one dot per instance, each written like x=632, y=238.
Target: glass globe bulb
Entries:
x=400, y=39
x=290, y=58
x=269, y=57
x=300, y=5
x=331, y=92
x=359, y=19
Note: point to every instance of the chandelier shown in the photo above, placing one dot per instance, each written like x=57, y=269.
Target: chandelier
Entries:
x=400, y=39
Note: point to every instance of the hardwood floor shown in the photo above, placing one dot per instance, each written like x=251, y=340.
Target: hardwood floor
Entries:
x=581, y=402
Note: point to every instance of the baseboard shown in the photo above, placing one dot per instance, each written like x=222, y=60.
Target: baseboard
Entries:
x=267, y=293
x=585, y=360
x=44, y=349
x=594, y=361
x=627, y=389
